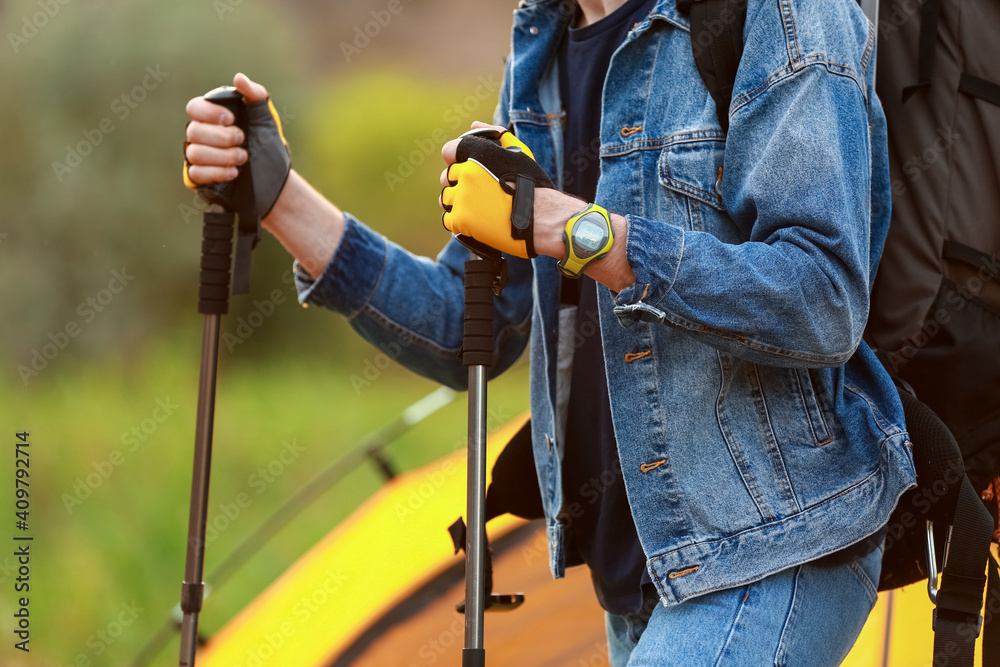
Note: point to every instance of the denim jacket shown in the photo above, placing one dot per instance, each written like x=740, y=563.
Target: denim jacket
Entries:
x=755, y=429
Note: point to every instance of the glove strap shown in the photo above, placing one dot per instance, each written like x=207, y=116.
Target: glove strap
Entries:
x=522, y=214
x=248, y=230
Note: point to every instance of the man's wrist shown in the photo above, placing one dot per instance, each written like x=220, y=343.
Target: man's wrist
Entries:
x=307, y=224
x=553, y=209
x=613, y=270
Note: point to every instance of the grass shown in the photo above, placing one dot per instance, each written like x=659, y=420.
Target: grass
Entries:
x=112, y=445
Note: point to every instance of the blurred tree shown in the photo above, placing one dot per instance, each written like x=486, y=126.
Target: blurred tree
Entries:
x=95, y=115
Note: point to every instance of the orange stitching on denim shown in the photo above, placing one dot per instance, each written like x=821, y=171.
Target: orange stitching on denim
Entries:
x=780, y=473
x=646, y=467
x=751, y=94
x=683, y=573
x=729, y=335
x=687, y=187
x=789, y=20
x=869, y=47
x=644, y=292
x=753, y=531
x=678, y=138
x=734, y=446
x=819, y=410
x=629, y=131
x=633, y=356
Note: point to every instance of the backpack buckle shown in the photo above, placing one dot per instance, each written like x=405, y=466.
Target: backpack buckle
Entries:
x=979, y=624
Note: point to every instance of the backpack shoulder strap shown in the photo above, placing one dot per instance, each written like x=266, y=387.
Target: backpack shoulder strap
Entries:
x=717, y=46
x=930, y=13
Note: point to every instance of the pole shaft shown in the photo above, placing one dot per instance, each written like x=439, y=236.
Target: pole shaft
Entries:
x=484, y=278
x=475, y=546
x=193, y=568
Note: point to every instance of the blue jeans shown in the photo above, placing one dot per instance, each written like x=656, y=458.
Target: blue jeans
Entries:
x=807, y=615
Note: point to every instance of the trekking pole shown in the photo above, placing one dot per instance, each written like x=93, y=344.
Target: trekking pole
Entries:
x=485, y=276
x=371, y=448
x=224, y=200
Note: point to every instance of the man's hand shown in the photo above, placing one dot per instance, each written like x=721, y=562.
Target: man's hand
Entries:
x=552, y=208
x=307, y=224
x=213, y=150
x=269, y=159
x=488, y=191
x=552, y=211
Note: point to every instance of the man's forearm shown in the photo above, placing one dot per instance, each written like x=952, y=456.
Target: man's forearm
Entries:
x=306, y=223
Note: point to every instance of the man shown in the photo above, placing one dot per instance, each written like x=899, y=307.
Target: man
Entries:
x=761, y=447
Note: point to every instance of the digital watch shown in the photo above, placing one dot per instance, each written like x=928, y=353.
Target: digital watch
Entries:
x=587, y=238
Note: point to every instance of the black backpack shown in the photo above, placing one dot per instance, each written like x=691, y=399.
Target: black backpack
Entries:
x=935, y=314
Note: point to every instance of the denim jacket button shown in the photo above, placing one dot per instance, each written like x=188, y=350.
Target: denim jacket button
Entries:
x=533, y=30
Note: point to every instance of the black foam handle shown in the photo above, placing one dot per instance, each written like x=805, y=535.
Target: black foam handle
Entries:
x=473, y=657
x=216, y=258
x=477, y=344
x=235, y=196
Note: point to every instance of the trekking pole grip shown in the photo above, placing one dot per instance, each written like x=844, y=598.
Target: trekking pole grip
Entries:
x=219, y=220
x=477, y=344
x=216, y=260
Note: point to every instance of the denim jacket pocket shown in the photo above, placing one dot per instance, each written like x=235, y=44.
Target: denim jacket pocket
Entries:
x=811, y=406
x=691, y=171
x=792, y=399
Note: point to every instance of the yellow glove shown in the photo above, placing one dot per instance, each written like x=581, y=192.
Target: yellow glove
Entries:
x=491, y=192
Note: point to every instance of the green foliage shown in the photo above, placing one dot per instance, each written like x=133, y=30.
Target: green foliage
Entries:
x=374, y=145
x=94, y=127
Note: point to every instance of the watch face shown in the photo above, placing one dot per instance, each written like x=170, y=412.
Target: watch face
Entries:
x=590, y=233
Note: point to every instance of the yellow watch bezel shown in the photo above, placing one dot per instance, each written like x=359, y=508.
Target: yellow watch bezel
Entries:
x=571, y=265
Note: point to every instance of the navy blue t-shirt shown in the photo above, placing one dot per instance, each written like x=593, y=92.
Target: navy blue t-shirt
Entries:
x=599, y=524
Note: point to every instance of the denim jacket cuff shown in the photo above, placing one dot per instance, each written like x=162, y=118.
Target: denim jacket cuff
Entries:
x=348, y=281
x=654, y=250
